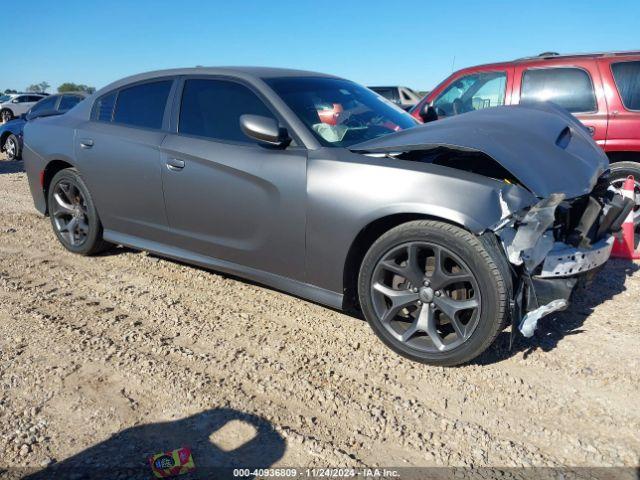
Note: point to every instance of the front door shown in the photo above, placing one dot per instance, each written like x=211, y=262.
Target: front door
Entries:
x=226, y=196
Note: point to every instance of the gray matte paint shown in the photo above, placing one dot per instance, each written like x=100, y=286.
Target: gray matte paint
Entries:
x=287, y=218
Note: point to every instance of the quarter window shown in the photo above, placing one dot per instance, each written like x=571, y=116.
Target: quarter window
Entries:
x=212, y=109
x=570, y=88
x=627, y=77
x=472, y=92
x=103, y=108
x=142, y=105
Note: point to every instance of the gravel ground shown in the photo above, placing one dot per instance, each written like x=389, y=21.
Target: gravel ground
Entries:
x=113, y=358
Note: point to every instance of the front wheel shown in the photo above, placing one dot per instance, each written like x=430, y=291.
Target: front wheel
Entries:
x=433, y=292
x=619, y=173
x=12, y=147
x=73, y=215
x=6, y=115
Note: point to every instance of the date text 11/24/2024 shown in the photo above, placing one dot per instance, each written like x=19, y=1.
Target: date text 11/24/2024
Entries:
x=317, y=472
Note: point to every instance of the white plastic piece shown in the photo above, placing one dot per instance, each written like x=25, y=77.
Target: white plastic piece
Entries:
x=530, y=320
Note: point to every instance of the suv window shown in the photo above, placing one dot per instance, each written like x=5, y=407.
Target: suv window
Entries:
x=627, y=77
x=143, y=105
x=472, y=92
x=570, y=88
x=103, y=108
x=212, y=108
x=67, y=102
x=32, y=98
x=48, y=103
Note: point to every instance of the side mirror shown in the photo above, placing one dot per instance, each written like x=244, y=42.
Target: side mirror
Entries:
x=265, y=130
x=428, y=113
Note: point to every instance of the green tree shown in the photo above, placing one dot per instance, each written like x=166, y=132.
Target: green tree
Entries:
x=38, y=87
x=74, y=87
x=9, y=90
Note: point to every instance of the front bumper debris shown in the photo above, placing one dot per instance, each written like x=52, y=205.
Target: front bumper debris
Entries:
x=553, y=246
x=564, y=260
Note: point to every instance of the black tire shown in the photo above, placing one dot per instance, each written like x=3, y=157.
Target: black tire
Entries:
x=89, y=241
x=6, y=115
x=12, y=148
x=619, y=172
x=479, y=258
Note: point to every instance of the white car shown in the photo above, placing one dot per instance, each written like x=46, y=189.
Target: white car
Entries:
x=15, y=104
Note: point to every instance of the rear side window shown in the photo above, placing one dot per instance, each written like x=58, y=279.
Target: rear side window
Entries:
x=103, y=108
x=627, y=77
x=142, y=105
x=570, y=88
x=67, y=102
x=212, y=109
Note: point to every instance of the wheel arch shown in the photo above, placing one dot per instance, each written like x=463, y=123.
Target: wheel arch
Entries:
x=363, y=241
x=3, y=139
x=50, y=170
x=626, y=156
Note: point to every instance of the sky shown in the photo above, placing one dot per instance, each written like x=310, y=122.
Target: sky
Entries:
x=412, y=43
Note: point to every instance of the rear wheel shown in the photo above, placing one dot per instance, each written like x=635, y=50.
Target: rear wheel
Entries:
x=6, y=115
x=73, y=215
x=433, y=293
x=619, y=172
x=12, y=147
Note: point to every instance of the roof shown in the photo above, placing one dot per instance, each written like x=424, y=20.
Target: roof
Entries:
x=546, y=55
x=556, y=55
x=243, y=72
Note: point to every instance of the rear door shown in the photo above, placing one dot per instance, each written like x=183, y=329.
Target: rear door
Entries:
x=624, y=102
x=226, y=196
x=119, y=150
x=572, y=83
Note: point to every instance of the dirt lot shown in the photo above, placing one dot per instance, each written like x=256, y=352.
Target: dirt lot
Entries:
x=113, y=358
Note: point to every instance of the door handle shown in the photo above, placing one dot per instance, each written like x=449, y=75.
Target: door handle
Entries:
x=86, y=143
x=175, y=164
x=592, y=130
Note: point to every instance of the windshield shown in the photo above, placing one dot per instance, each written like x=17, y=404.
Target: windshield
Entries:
x=4, y=98
x=340, y=113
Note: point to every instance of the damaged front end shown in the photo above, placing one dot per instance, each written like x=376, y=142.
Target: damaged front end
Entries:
x=555, y=245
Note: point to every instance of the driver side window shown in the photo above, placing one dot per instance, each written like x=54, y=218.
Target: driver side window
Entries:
x=472, y=92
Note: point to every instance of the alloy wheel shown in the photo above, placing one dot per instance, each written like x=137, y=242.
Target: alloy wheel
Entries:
x=425, y=296
x=6, y=116
x=11, y=148
x=69, y=211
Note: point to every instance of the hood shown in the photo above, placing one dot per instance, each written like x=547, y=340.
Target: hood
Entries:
x=542, y=145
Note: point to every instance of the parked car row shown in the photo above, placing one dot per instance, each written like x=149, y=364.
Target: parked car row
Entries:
x=441, y=234
x=404, y=97
x=11, y=132
x=601, y=90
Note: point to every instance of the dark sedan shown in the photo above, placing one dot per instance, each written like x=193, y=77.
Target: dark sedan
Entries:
x=11, y=132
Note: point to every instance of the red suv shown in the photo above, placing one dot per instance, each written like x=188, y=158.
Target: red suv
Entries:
x=602, y=90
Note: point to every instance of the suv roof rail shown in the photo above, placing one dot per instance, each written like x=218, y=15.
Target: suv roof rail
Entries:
x=596, y=54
